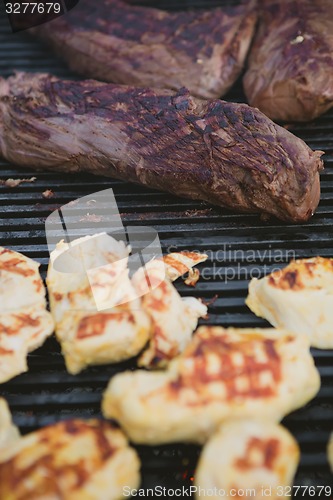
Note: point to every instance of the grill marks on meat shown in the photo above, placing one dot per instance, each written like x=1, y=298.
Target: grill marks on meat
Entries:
x=224, y=153
x=203, y=50
x=290, y=75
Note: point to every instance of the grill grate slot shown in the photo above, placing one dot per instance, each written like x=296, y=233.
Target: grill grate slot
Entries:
x=48, y=393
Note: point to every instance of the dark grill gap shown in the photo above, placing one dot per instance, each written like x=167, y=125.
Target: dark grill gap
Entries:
x=48, y=393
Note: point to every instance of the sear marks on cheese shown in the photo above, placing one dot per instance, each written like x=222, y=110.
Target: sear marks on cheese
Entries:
x=298, y=298
x=24, y=321
x=70, y=460
x=222, y=374
x=252, y=455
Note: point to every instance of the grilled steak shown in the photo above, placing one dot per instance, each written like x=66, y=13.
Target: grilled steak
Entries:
x=290, y=75
x=109, y=40
x=224, y=153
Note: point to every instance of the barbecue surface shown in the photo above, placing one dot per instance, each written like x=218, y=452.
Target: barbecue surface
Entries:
x=235, y=243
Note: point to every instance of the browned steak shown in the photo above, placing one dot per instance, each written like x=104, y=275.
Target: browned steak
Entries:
x=224, y=153
x=112, y=41
x=290, y=75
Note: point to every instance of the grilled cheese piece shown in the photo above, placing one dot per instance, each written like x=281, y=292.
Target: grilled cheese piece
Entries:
x=173, y=319
x=89, y=336
x=179, y=263
x=88, y=274
x=9, y=433
x=24, y=321
x=71, y=460
x=250, y=455
x=330, y=452
x=298, y=298
x=97, y=275
x=223, y=374
x=102, y=337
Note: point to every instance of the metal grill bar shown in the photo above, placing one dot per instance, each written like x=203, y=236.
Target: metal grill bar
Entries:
x=48, y=393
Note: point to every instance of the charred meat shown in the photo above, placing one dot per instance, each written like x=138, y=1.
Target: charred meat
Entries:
x=290, y=75
x=228, y=154
x=112, y=41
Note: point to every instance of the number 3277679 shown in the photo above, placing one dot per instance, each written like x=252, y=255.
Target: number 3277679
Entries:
x=33, y=8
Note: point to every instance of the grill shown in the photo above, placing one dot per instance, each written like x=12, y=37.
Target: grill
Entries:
x=237, y=244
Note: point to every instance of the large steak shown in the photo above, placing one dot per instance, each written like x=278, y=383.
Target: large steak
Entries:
x=109, y=40
x=224, y=153
x=290, y=74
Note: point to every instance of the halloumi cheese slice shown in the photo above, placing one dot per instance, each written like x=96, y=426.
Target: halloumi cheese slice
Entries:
x=222, y=374
x=87, y=274
x=90, y=336
x=102, y=337
x=330, y=452
x=70, y=460
x=24, y=321
x=298, y=298
x=9, y=433
x=98, y=274
x=179, y=263
x=253, y=456
x=173, y=319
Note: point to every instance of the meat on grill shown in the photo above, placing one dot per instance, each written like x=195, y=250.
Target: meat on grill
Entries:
x=228, y=154
x=109, y=40
x=290, y=74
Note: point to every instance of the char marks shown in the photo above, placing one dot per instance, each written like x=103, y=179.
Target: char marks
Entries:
x=223, y=153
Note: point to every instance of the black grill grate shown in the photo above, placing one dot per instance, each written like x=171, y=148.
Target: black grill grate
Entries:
x=47, y=393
